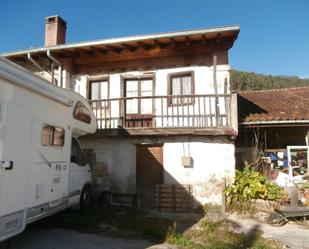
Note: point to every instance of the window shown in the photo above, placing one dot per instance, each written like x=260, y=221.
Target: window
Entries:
x=52, y=136
x=181, y=84
x=139, y=88
x=81, y=113
x=101, y=106
x=76, y=153
x=98, y=90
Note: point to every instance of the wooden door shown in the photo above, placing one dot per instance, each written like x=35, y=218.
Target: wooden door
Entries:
x=149, y=164
x=149, y=172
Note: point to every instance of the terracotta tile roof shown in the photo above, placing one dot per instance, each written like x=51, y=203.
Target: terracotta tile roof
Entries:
x=285, y=104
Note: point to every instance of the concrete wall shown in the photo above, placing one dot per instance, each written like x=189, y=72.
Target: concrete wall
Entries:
x=213, y=160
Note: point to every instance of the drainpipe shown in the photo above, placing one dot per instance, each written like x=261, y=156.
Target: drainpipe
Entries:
x=59, y=67
x=37, y=64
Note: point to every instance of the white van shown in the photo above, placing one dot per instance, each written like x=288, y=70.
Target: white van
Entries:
x=42, y=167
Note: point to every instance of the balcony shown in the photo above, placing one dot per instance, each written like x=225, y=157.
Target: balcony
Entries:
x=185, y=111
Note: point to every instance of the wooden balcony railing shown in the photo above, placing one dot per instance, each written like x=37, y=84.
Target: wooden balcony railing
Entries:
x=207, y=110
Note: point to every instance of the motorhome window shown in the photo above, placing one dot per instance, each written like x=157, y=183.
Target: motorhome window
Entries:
x=81, y=113
x=52, y=136
x=58, y=136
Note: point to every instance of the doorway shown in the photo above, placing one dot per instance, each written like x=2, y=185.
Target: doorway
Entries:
x=149, y=172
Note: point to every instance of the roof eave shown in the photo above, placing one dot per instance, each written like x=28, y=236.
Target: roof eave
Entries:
x=274, y=122
x=233, y=28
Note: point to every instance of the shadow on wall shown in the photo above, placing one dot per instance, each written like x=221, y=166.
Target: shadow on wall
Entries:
x=173, y=188
x=159, y=190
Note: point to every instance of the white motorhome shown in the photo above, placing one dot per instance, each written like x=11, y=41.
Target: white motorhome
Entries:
x=42, y=167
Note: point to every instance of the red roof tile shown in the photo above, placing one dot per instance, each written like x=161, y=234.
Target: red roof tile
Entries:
x=288, y=104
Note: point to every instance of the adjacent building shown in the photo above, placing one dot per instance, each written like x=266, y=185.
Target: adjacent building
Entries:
x=274, y=125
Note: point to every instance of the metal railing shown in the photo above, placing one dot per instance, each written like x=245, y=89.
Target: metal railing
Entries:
x=208, y=110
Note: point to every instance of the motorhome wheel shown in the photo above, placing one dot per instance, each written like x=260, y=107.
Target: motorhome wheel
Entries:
x=85, y=197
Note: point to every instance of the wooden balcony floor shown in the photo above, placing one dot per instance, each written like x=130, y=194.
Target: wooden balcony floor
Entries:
x=170, y=131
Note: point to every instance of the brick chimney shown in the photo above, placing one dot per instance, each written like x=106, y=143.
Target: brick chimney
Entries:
x=55, y=30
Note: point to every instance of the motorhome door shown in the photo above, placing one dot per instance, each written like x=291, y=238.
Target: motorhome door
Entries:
x=16, y=130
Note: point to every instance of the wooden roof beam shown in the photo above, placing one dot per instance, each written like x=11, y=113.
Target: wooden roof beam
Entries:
x=22, y=58
x=79, y=52
x=188, y=41
x=67, y=53
x=159, y=44
x=129, y=47
x=143, y=45
x=173, y=42
x=101, y=50
x=63, y=54
x=114, y=49
x=203, y=39
x=88, y=52
x=218, y=38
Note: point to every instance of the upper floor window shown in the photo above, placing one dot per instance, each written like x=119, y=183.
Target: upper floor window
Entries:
x=98, y=90
x=181, y=84
x=139, y=88
x=81, y=113
x=52, y=136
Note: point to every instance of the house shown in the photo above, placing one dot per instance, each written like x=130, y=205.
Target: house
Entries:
x=165, y=113
x=274, y=124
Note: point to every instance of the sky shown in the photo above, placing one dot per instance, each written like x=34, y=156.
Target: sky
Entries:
x=273, y=38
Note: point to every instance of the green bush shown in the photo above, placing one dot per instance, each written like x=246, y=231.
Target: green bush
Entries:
x=250, y=185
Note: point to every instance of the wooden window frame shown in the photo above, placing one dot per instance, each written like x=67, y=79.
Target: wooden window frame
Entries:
x=138, y=79
x=170, y=83
x=96, y=80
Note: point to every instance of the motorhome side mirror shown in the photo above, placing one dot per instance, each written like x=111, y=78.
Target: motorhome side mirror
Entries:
x=90, y=156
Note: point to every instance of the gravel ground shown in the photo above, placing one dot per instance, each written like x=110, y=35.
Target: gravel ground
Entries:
x=68, y=239
x=291, y=234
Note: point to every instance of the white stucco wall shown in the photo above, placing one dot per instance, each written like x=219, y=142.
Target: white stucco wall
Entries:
x=79, y=85
x=203, y=84
x=120, y=158
x=203, y=76
x=212, y=162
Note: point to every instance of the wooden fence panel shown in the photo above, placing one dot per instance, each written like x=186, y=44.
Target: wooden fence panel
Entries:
x=173, y=198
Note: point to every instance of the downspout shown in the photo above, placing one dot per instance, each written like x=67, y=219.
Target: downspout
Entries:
x=37, y=64
x=59, y=67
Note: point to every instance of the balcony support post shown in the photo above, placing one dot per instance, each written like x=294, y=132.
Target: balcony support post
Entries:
x=217, y=110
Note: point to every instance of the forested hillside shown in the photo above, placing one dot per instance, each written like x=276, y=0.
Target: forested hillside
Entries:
x=251, y=81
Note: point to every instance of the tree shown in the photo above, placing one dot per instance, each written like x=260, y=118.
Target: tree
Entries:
x=242, y=81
